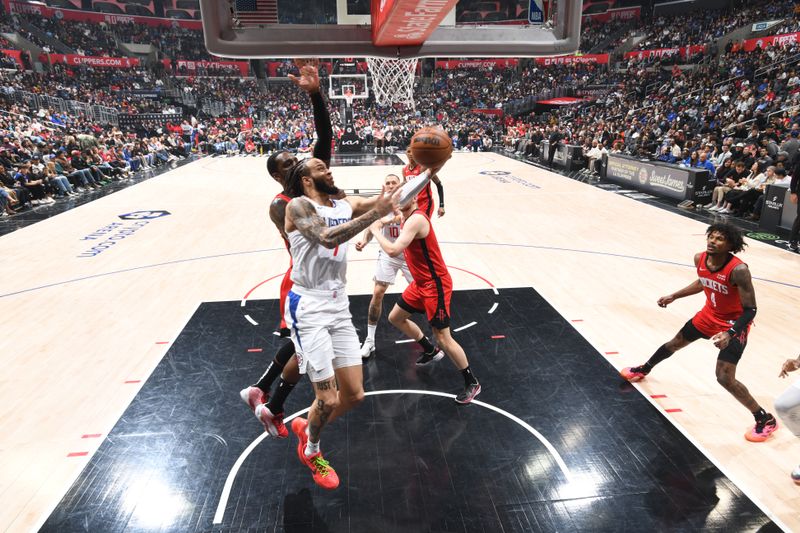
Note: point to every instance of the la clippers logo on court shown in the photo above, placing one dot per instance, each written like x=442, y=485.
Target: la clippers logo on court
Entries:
x=115, y=232
x=501, y=176
x=144, y=215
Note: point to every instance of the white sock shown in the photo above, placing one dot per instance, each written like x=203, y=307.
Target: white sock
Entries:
x=312, y=448
x=371, y=332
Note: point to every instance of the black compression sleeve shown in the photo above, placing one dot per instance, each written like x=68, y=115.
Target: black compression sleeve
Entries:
x=440, y=190
x=322, y=123
x=747, y=316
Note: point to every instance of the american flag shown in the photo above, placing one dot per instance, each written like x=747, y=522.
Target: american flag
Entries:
x=254, y=12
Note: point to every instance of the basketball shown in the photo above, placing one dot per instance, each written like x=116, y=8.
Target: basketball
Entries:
x=431, y=147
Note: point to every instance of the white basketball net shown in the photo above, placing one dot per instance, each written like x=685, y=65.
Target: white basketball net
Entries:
x=393, y=80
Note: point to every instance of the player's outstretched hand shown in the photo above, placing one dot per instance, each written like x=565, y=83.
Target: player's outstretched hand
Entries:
x=665, y=300
x=440, y=212
x=308, y=80
x=387, y=203
x=360, y=245
x=790, y=365
x=721, y=340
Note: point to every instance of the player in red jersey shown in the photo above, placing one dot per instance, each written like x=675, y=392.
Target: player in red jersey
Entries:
x=725, y=319
x=425, y=197
x=429, y=293
x=269, y=409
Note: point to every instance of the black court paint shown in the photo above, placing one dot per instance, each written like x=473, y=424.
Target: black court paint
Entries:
x=408, y=462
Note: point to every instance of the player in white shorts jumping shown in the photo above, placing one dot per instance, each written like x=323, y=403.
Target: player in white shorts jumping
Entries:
x=386, y=268
x=787, y=405
x=318, y=315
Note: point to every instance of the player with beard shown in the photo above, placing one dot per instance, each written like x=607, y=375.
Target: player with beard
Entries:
x=318, y=315
x=269, y=409
x=725, y=319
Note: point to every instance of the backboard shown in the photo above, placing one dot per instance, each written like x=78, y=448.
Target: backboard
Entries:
x=343, y=28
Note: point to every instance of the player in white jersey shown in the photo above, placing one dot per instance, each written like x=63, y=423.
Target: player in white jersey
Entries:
x=386, y=269
x=318, y=314
x=787, y=405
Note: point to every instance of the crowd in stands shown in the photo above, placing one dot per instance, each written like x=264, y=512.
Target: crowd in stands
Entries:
x=678, y=116
x=739, y=122
x=706, y=26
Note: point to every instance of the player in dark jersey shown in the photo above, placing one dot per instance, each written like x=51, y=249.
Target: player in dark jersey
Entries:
x=429, y=293
x=269, y=409
x=725, y=319
x=425, y=197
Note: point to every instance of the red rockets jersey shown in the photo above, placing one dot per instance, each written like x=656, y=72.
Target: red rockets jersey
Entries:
x=425, y=196
x=722, y=296
x=424, y=259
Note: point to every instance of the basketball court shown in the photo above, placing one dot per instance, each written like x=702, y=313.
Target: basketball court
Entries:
x=144, y=344
x=133, y=321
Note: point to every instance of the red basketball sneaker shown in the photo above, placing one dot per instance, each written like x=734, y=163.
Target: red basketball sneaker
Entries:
x=253, y=396
x=633, y=373
x=762, y=430
x=322, y=472
x=273, y=423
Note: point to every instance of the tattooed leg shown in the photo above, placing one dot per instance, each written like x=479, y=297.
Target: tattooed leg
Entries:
x=376, y=303
x=326, y=401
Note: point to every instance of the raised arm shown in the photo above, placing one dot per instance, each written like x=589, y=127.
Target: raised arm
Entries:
x=302, y=216
x=309, y=82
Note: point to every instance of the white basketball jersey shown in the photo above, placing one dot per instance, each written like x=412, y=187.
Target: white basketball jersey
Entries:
x=391, y=229
x=317, y=267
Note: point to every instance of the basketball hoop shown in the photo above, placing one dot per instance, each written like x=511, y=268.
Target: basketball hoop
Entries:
x=393, y=80
x=348, y=96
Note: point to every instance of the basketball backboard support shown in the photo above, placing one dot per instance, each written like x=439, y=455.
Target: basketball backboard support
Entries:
x=475, y=28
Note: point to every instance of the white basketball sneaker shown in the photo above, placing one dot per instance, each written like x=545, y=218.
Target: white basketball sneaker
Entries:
x=368, y=348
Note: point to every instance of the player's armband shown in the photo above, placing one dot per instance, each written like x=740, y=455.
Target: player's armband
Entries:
x=747, y=316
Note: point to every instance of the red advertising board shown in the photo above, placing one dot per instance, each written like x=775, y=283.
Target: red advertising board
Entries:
x=685, y=51
x=406, y=22
x=483, y=64
x=16, y=55
x=92, y=61
x=773, y=40
x=623, y=13
x=91, y=16
x=243, y=67
x=601, y=59
x=485, y=111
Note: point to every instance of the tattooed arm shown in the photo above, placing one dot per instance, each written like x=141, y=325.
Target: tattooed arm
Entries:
x=302, y=216
x=277, y=213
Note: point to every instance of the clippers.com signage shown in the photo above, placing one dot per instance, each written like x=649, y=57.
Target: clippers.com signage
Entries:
x=191, y=67
x=601, y=59
x=483, y=64
x=685, y=51
x=41, y=10
x=91, y=61
x=623, y=13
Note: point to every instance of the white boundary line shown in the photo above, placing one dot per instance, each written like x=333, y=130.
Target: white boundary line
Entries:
x=494, y=307
x=88, y=458
x=251, y=320
x=462, y=328
x=226, y=489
